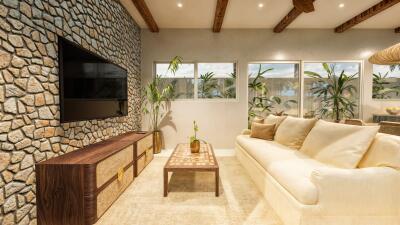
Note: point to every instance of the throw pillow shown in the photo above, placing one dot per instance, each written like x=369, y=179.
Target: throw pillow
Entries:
x=384, y=151
x=292, y=131
x=272, y=119
x=258, y=120
x=262, y=131
x=341, y=145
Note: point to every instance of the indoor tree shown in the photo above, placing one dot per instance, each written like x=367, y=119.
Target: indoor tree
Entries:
x=336, y=92
x=157, y=96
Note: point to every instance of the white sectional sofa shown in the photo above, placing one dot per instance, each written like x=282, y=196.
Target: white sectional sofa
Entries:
x=339, y=175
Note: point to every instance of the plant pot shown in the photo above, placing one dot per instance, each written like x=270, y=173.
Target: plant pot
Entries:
x=157, y=141
x=195, y=146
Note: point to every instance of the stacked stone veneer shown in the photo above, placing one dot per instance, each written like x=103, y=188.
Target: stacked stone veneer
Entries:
x=30, y=130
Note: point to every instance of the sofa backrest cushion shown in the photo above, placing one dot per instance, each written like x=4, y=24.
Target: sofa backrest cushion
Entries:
x=384, y=151
x=292, y=131
x=337, y=144
x=272, y=119
x=262, y=131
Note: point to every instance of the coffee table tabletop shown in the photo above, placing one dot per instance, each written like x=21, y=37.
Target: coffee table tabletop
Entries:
x=182, y=159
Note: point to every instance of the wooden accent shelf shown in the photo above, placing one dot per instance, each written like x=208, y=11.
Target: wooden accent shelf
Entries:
x=78, y=187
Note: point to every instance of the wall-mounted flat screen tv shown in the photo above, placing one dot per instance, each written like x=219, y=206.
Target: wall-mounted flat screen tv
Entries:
x=91, y=87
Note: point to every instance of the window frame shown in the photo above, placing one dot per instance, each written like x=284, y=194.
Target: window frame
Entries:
x=301, y=79
x=196, y=80
x=300, y=100
x=360, y=81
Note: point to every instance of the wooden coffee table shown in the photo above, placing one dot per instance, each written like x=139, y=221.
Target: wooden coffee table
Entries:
x=183, y=160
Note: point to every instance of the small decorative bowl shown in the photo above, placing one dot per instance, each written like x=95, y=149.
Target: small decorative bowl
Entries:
x=393, y=110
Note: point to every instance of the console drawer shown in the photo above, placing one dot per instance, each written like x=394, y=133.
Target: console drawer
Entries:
x=144, y=144
x=149, y=155
x=110, y=166
x=109, y=194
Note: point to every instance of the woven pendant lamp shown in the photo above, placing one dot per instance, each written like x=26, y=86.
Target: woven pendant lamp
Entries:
x=389, y=56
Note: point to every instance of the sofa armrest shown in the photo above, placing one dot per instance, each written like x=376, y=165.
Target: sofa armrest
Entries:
x=368, y=191
x=246, y=132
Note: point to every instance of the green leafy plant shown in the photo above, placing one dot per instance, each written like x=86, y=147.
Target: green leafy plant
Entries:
x=230, y=87
x=260, y=100
x=157, y=95
x=393, y=67
x=336, y=92
x=195, y=130
x=208, y=85
x=380, y=87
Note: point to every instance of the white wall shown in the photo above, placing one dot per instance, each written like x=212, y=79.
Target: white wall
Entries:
x=219, y=121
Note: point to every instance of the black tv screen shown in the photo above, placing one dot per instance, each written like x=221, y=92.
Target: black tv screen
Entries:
x=91, y=87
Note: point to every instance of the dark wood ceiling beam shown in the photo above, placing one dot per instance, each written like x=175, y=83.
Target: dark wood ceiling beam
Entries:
x=219, y=15
x=300, y=6
x=397, y=30
x=144, y=11
x=370, y=12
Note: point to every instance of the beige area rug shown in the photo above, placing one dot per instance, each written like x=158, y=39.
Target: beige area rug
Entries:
x=191, y=199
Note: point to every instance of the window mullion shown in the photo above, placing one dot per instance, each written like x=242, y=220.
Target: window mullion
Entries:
x=196, y=76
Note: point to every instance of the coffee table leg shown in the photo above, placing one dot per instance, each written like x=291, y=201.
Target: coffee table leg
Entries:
x=165, y=183
x=217, y=182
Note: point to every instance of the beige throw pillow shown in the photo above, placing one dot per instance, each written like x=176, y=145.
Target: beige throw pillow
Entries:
x=262, y=131
x=258, y=120
x=338, y=144
x=272, y=119
x=384, y=151
x=292, y=131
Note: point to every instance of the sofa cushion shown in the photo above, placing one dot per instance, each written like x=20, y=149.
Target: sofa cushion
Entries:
x=266, y=152
x=384, y=151
x=258, y=120
x=294, y=175
x=337, y=144
x=272, y=119
x=262, y=131
x=293, y=131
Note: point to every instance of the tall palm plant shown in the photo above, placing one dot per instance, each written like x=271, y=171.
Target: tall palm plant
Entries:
x=157, y=95
x=336, y=92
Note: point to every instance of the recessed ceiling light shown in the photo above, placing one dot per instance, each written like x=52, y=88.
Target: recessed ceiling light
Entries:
x=260, y=5
x=341, y=5
x=180, y=5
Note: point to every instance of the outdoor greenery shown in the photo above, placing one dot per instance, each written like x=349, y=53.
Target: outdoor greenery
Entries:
x=336, y=91
x=384, y=86
x=381, y=87
x=260, y=100
x=157, y=95
x=211, y=87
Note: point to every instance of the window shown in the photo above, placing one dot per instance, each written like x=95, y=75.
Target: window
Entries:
x=386, y=82
x=217, y=80
x=182, y=81
x=274, y=88
x=331, y=87
x=211, y=80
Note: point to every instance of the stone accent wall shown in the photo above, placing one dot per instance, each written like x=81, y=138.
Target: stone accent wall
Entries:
x=30, y=130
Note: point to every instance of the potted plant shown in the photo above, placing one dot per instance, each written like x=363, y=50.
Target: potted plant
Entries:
x=337, y=93
x=156, y=101
x=194, y=141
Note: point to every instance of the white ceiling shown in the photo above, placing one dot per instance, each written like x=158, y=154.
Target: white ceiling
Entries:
x=247, y=14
